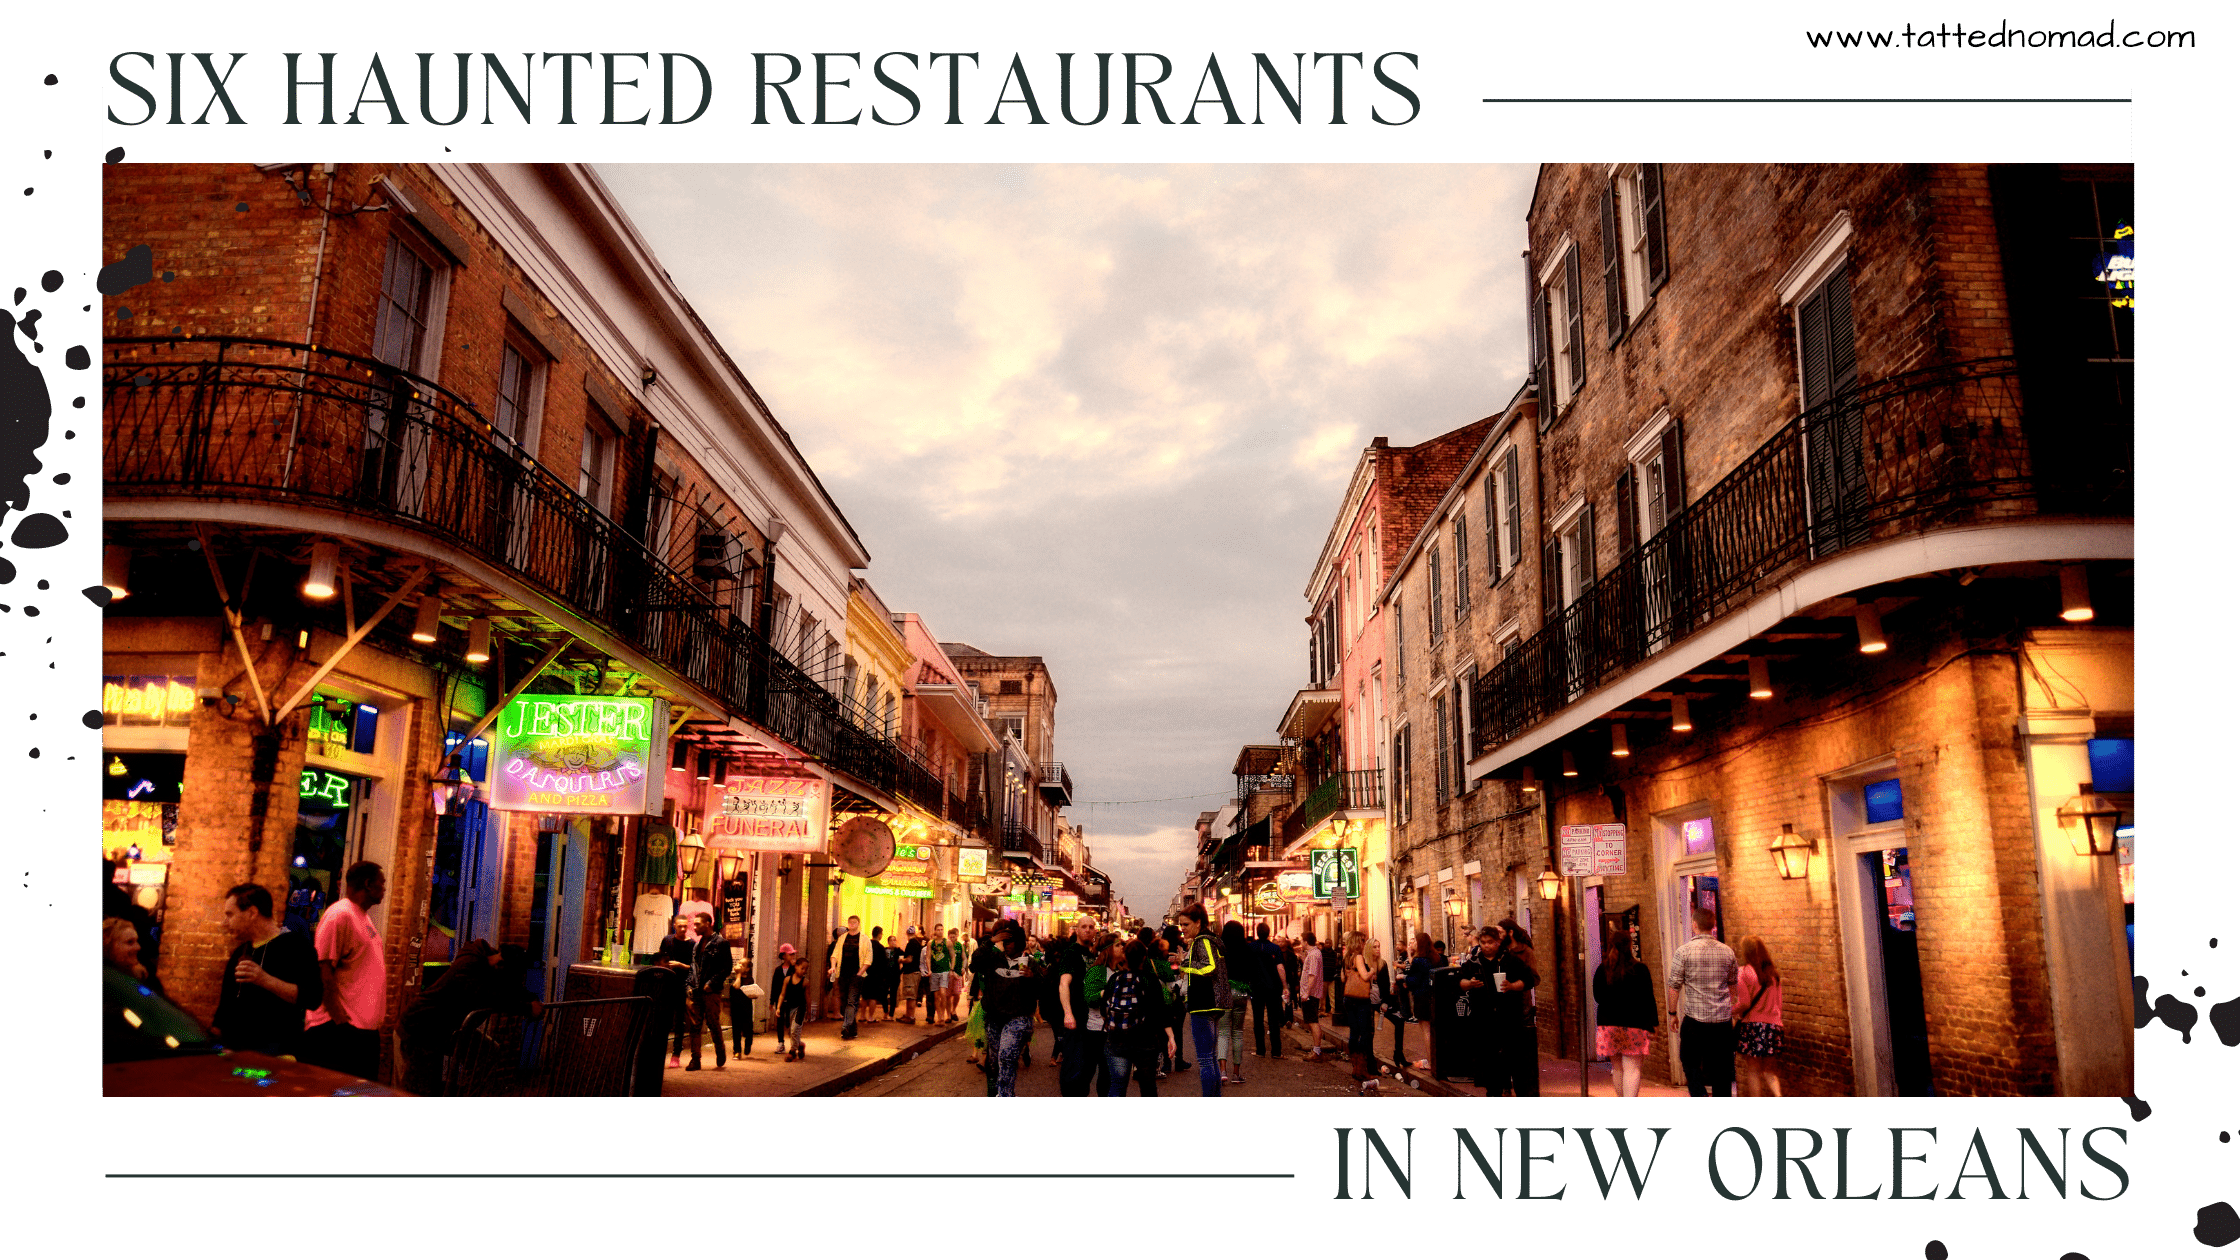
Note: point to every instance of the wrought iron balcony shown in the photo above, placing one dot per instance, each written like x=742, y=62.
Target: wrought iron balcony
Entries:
x=1018, y=841
x=1347, y=789
x=277, y=422
x=1941, y=447
x=1057, y=785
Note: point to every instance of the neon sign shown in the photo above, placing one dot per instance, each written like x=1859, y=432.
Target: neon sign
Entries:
x=2116, y=268
x=578, y=754
x=773, y=814
x=324, y=787
x=910, y=874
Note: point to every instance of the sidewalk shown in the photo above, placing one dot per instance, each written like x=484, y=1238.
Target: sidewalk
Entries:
x=1559, y=1078
x=831, y=1066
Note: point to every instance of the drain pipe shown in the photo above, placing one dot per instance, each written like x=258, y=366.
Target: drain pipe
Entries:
x=310, y=321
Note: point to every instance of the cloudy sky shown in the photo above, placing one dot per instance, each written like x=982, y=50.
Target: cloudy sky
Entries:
x=1105, y=415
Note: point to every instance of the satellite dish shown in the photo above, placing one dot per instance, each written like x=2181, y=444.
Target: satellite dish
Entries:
x=863, y=847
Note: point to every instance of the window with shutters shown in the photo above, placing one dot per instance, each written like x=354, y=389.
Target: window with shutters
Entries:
x=1461, y=568
x=1439, y=784
x=1465, y=686
x=1504, y=516
x=1649, y=495
x=1399, y=642
x=1573, y=551
x=1634, y=261
x=1836, y=490
x=1403, y=795
x=1435, y=595
x=1559, y=330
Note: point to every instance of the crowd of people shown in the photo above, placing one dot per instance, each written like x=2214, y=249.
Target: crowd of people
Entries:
x=1121, y=1006
x=319, y=997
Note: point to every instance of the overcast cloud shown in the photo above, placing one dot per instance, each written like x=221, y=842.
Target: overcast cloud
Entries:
x=1105, y=415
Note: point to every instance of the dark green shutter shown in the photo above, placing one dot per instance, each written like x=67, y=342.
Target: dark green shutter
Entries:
x=1575, y=317
x=1652, y=223
x=1629, y=515
x=1514, y=508
x=1551, y=581
x=1613, y=272
x=1493, y=526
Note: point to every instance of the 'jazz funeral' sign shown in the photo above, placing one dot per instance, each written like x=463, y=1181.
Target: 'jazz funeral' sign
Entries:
x=773, y=814
x=579, y=754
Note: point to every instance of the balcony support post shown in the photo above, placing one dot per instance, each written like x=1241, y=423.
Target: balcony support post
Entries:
x=552, y=654
x=233, y=618
x=356, y=636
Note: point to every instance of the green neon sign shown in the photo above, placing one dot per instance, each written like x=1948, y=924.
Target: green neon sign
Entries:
x=324, y=786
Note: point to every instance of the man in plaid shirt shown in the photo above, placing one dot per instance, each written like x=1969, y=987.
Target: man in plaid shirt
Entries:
x=1702, y=1005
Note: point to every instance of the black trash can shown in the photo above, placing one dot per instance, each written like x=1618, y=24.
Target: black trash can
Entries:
x=665, y=985
x=1454, y=1044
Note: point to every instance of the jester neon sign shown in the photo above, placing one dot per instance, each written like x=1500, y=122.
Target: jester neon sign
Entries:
x=576, y=754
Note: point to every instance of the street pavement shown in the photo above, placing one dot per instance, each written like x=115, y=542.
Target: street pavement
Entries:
x=830, y=1065
x=943, y=1073
x=891, y=1059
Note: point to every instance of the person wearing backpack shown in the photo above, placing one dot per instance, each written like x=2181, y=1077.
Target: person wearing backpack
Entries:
x=1136, y=1030
x=1206, y=994
x=1237, y=953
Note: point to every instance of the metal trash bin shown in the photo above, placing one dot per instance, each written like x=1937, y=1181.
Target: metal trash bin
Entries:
x=1454, y=1041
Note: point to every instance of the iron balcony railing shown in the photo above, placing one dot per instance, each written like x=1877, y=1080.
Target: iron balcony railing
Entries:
x=244, y=418
x=1056, y=784
x=1017, y=839
x=1346, y=789
x=1938, y=447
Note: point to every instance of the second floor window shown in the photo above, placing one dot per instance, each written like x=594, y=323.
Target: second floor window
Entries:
x=595, y=463
x=400, y=325
x=516, y=381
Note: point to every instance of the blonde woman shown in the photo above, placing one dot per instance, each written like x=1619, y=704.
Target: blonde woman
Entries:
x=1359, y=1009
x=120, y=948
x=1757, y=1021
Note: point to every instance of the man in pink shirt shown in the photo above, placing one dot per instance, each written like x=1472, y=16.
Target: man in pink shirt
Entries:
x=344, y=1032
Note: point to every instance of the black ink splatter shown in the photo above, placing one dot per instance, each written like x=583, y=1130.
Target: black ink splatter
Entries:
x=2178, y=1015
x=92, y=719
x=51, y=281
x=98, y=594
x=2074, y=1255
x=2139, y=1108
x=2216, y=1225
x=114, y=156
x=51, y=81
x=137, y=267
x=76, y=359
x=241, y=207
x=7, y=571
x=1934, y=1251
x=41, y=530
x=2225, y=1018
x=29, y=322
x=24, y=409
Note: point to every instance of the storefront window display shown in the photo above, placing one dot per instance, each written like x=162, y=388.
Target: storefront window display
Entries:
x=327, y=825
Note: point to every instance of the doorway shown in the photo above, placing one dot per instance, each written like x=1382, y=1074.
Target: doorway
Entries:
x=1889, y=875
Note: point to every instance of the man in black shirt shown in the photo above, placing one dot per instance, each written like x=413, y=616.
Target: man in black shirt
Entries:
x=711, y=970
x=676, y=955
x=1066, y=1007
x=271, y=978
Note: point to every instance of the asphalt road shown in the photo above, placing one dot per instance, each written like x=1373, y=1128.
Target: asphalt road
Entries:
x=943, y=1073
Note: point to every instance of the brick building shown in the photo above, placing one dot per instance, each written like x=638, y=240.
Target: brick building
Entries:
x=1466, y=852
x=1029, y=787
x=388, y=445
x=1822, y=589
